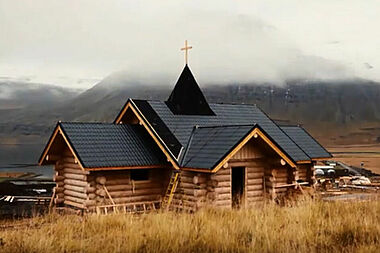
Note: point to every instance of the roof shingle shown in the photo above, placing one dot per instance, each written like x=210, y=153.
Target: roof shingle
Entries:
x=111, y=145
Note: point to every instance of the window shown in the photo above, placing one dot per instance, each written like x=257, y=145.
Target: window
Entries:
x=139, y=175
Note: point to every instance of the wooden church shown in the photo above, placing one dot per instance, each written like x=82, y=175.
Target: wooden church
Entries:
x=183, y=154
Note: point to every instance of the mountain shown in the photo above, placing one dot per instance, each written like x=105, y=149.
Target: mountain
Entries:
x=337, y=112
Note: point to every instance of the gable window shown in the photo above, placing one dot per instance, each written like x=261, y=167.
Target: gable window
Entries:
x=140, y=175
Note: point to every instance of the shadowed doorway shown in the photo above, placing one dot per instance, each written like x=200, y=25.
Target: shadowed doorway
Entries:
x=237, y=186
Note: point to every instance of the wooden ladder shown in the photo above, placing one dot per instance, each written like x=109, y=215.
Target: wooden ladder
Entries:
x=172, y=186
x=141, y=207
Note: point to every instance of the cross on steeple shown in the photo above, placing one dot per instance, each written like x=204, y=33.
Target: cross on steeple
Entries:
x=186, y=48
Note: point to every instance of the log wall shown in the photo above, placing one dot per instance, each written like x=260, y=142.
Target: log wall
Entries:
x=116, y=187
x=305, y=172
x=86, y=190
x=276, y=176
x=74, y=187
x=191, y=191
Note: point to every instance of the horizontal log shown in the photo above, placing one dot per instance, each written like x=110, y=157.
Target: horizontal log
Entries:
x=275, y=184
x=101, y=192
x=81, y=189
x=223, y=196
x=242, y=163
x=75, y=194
x=255, y=181
x=200, y=192
x=101, y=180
x=188, y=191
x=76, y=182
x=255, y=175
x=75, y=204
x=74, y=199
x=76, y=171
x=135, y=199
x=254, y=187
x=120, y=182
x=69, y=160
x=221, y=190
x=125, y=187
x=212, y=183
x=272, y=179
x=199, y=179
x=118, y=194
x=58, y=189
x=59, y=184
x=221, y=178
x=254, y=193
x=255, y=169
x=188, y=185
x=224, y=172
x=72, y=165
x=224, y=184
x=75, y=176
x=59, y=195
x=57, y=178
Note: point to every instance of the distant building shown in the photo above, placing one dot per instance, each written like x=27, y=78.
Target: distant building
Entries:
x=183, y=153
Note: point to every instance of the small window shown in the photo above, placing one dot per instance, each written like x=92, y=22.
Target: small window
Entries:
x=139, y=175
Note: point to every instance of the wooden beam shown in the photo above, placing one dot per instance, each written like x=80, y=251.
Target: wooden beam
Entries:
x=304, y=162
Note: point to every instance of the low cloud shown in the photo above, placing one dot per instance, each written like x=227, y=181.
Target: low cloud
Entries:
x=90, y=39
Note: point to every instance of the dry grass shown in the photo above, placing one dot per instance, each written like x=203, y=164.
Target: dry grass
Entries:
x=309, y=226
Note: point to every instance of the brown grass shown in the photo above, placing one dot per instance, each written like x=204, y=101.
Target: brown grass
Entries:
x=309, y=226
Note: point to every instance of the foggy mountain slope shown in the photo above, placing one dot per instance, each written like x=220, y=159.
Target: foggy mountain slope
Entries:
x=334, y=112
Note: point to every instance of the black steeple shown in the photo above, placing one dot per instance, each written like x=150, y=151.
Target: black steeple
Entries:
x=187, y=98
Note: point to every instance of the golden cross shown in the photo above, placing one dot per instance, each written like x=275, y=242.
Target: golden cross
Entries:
x=186, y=48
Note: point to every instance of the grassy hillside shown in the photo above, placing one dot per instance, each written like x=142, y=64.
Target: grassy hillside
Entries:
x=310, y=226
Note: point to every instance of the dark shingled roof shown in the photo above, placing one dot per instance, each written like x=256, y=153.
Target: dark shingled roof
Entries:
x=187, y=98
x=111, y=145
x=209, y=145
x=181, y=126
x=306, y=142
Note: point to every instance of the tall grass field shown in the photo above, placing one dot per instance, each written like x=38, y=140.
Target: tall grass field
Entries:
x=307, y=226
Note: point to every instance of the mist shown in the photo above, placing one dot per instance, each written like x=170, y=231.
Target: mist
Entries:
x=77, y=43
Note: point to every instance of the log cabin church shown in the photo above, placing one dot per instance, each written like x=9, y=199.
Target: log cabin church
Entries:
x=183, y=154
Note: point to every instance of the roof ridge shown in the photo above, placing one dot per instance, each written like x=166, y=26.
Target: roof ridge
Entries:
x=80, y=122
x=228, y=125
x=290, y=125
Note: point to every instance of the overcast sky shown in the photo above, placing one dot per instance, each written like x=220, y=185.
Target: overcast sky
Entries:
x=233, y=41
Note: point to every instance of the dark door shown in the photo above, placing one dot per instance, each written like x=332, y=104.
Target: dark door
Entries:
x=237, y=186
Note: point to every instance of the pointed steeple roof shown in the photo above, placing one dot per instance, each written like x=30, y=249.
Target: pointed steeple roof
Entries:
x=187, y=98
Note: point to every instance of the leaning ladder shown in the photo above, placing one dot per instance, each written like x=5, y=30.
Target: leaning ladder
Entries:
x=173, y=183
